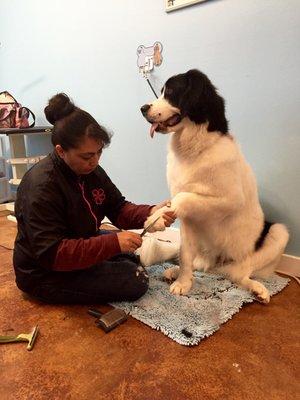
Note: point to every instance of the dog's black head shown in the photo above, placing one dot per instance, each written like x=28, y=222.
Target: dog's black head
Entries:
x=190, y=95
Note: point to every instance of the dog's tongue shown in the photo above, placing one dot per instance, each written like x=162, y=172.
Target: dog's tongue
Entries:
x=152, y=129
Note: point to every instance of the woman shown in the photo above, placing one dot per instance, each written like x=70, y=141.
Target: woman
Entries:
x=60, y=256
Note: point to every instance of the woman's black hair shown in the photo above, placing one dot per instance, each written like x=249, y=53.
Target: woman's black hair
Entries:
x=71, y=123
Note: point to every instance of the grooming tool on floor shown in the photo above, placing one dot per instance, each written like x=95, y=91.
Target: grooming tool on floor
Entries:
x=149, y=226
x=109, y=320
x=22, y=337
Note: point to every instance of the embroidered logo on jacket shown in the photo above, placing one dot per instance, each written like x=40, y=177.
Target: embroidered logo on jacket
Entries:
x=98, y=195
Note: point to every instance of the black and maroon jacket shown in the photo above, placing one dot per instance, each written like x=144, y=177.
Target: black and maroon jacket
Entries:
x=59, y=214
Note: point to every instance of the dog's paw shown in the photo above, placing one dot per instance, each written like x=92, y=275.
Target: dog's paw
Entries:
x=179, y=204
x=172, y=273
x=181, y=287
x=260, y=292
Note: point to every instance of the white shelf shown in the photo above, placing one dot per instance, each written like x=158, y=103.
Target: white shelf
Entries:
x=15, y=181
x=12, y=218
x=25, y=160
x=7, y=207
x=10, y=207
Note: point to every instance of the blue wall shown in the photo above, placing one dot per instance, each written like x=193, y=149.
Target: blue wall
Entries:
x=249, y=49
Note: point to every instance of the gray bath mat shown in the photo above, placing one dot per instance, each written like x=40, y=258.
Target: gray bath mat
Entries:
x=188, y=319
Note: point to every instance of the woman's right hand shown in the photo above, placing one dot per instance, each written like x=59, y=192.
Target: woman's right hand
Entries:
x=129, y=241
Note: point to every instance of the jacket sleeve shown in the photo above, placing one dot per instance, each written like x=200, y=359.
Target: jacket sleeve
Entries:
x=122, y=213
x=132, y=216
x=74, y=254
x=48, y=235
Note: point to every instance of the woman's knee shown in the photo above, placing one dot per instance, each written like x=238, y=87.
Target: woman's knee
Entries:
x=139, y=281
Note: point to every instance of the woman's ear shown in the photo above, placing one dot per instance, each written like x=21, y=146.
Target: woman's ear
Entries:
x=60, y=151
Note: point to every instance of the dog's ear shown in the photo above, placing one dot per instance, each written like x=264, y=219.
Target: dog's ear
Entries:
x=192, y=102
x=201, y=103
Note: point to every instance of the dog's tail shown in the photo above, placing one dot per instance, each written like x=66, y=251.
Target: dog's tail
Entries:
x=265, y=260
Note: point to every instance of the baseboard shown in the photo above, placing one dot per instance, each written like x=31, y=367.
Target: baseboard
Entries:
x=289, y=264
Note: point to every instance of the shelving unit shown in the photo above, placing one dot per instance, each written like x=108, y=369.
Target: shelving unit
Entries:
x=20, y=160
x=5, y=193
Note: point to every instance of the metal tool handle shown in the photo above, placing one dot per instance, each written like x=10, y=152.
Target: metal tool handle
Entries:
x=95, y=313
x=10, y=339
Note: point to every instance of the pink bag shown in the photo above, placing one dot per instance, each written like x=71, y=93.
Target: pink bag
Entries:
x=12, y=114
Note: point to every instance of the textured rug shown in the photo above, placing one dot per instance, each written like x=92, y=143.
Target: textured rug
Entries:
x=188, y=319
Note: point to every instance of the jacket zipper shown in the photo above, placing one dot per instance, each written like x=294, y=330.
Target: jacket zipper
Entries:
x=87, y=202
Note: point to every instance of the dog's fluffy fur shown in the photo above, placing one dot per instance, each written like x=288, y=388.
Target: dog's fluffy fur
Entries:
x=213, y=190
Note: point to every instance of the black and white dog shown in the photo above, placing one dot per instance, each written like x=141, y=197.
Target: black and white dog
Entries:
x=213, y=190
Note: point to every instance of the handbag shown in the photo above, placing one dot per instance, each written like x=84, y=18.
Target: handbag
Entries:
x=13, y=114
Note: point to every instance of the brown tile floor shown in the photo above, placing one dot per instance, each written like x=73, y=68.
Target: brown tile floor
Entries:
x=72, y=359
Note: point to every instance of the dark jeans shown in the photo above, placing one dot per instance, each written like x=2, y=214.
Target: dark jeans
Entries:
x=120, y=278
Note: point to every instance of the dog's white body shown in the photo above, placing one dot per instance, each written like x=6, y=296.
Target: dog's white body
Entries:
x=214, y=194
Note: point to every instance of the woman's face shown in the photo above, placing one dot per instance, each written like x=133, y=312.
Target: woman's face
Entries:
x=83, y=159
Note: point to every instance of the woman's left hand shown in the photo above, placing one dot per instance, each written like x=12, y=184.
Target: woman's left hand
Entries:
x=168, y=216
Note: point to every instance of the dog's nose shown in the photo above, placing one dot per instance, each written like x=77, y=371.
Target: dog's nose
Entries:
x=145, y=108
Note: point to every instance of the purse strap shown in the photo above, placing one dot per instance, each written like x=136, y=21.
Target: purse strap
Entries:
x=33, y=116
x=6, y=94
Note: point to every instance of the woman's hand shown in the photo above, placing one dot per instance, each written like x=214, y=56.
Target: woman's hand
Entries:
x=129, y=241
x=160, y=205
x=168, y=216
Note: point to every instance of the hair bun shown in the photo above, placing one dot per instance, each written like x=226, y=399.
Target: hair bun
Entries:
x=59, y=107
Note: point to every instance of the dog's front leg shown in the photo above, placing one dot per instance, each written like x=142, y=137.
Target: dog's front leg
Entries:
x=180, y=204
x=184, y=282
x=183, y=204
x=188, y=205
